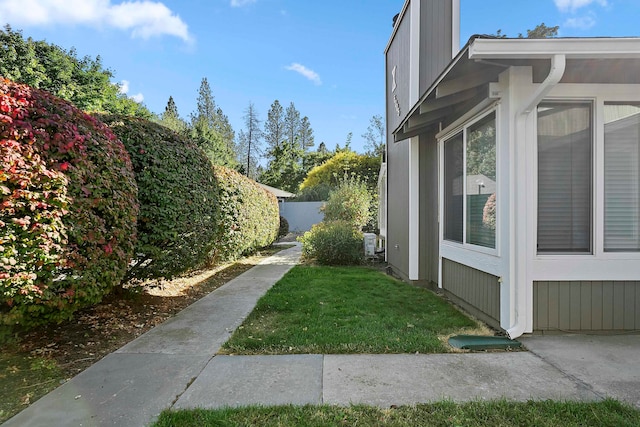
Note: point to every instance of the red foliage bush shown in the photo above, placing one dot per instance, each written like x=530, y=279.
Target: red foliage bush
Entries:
x=68, y=207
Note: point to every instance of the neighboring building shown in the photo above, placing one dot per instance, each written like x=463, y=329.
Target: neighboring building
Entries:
x=513, y=172
x=281, y=195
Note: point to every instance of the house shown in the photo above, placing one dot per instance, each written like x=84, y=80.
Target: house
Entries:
x=512, y=174
x=281, y=195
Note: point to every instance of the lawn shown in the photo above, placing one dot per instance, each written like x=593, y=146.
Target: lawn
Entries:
x=472, y=414
x=338, y=310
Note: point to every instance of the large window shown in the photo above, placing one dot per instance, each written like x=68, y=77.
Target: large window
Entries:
x=621, y=177
x=565, y=177
x=470, y=184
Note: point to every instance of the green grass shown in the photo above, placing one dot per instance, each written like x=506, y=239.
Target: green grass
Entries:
x=495, y=414
x=338, y=310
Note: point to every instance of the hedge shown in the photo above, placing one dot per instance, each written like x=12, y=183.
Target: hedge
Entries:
x=177, y=196
x=247, y=216
x=68, y=209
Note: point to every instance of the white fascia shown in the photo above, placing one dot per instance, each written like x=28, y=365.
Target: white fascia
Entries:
x=578, y=48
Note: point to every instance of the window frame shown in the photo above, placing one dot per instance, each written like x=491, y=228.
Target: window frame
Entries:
x=443, y=139
x=595, y=118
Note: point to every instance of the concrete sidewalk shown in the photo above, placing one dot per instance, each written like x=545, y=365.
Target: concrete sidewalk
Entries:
x=175, y=365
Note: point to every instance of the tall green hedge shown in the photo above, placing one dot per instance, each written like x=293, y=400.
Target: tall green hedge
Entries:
x=247, y=217
x=68, y=207
x=177, y=195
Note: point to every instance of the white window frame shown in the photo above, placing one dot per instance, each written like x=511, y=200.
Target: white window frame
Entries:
x=599, y=265
x=445, y=136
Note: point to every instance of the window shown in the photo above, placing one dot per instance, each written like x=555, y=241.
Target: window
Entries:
x=470, y=184
x=621, y=177
x=565, y=177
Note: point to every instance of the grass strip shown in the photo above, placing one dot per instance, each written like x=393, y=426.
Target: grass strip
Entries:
x=342, y=310
x=472, y=414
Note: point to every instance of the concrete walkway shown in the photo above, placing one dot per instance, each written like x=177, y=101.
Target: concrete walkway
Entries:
x=175, y=365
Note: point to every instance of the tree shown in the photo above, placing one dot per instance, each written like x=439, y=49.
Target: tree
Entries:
x=171, y=118
x=306, y=134
x=274, y=128
x=292, y=127
x=541, y=31
x=375, y=136
x=347, y=142
x=249, y=141
x=210, y=129
x=82, y=81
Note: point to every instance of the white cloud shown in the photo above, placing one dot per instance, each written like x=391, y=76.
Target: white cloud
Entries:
x=124, y=86
x=144, y=18
x=573, y=5
x=240, y=3
x=124, y=89
x=306, y=72
x=581, y=23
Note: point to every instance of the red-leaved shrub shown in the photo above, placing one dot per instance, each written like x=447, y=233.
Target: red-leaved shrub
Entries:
x=68, y=207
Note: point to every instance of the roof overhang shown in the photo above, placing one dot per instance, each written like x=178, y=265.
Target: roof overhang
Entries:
x=465, y=83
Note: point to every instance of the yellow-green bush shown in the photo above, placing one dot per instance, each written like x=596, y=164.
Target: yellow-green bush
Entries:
x=247, y=216
x=333, y=243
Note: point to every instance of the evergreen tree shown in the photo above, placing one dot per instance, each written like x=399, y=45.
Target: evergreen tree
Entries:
x=274, y=129
x=292, y=127
x=210, y=129
x=306, y=134
x=171, y=118
x=249, y=140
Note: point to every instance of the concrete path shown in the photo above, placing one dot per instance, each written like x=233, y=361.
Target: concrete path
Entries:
x=175, y=365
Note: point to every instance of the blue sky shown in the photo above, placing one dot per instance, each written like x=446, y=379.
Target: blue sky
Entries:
x=324, y=56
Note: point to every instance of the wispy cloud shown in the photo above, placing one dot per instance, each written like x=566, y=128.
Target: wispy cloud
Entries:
x=306, y=72
x=143, y=18
x=240, y=3
x=580, y=23
x=573, y=5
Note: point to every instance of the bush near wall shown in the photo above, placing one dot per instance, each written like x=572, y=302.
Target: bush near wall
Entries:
x=333, y=243
x=68, y=207
x=177, y=196
x=247, y=217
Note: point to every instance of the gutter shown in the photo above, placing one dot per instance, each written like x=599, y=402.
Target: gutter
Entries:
x=519, y=307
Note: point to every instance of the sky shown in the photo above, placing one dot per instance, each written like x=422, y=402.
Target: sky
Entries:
x=327, y=57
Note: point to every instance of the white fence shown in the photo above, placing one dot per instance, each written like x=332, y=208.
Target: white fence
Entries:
x=301, y=215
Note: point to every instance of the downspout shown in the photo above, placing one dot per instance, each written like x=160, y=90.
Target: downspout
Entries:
x=518, y=305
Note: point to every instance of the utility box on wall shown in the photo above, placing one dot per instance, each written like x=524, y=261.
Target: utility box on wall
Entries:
x=369, y=244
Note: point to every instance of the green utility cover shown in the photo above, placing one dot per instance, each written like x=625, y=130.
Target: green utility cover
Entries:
x=478, y=342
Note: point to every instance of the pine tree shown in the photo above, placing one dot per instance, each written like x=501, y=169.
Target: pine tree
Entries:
x=171, y=118
x=211, y=130
x=274, y=128
x=249, y=142
x=306, y=134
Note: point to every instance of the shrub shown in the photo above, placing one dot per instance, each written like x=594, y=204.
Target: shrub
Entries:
x=349, y=202
x=345, y=163
x=317, y=193
x=246, y=215
x=68, y=209
x=177, y=196
x=284, y=227
x=333, y=243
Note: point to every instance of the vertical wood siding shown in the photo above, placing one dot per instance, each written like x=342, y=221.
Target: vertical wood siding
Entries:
x=476, y=288
x=435, y=40
x=586, y=306
x=398, y=57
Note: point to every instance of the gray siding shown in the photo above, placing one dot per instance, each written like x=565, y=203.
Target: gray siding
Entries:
x=397, y=203
x=476, y=291
x=435, y=40
x=429, y=252
x=398, y=56
x=586, y=306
